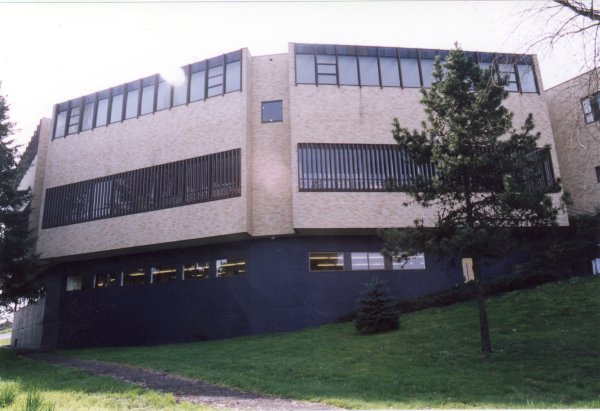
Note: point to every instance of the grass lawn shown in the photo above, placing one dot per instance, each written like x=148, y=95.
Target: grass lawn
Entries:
x=546, y=344
x=61, y=388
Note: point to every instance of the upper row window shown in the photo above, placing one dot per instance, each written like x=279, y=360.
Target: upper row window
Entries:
x=396, y=67
x=591, y=108
x=212, y=77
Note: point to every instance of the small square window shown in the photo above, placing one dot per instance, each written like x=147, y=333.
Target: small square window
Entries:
x=271, y=111
x=598, y=173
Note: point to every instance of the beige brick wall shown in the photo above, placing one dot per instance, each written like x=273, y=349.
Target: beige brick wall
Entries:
x=350, y=114
x=578, y=143
x=38, y=184
x=199, y=128
x=271, y=150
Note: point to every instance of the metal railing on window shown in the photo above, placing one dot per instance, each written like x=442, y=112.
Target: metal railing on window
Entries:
x=385, y=167
x=195, y=180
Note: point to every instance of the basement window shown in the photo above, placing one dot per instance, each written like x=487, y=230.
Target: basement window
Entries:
x=105, y=280
x=414, y=262
x=598, y=173
x=326, y=261
x=74, y=282
x=162, y=274
x=135, y=277
x=196, y=271
x=230, y=267
x=367, y=261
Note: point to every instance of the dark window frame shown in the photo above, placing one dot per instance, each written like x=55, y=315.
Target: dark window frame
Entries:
x=263, y=104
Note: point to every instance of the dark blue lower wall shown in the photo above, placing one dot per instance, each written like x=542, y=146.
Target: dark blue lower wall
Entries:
x=277, y=293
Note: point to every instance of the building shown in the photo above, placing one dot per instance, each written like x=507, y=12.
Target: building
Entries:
x=242, y=200
x=574, y=108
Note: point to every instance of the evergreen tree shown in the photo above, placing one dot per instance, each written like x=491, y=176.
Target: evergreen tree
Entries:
x=487, y=174
x=376, y=309
x=17, y=265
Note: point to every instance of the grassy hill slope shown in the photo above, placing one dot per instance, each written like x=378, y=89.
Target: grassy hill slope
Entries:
x=545, y=341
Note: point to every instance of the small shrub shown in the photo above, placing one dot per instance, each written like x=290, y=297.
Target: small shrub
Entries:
x=8, y=393
x=376, y=309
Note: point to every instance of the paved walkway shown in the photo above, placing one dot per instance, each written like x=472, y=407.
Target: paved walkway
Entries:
x=183, y=389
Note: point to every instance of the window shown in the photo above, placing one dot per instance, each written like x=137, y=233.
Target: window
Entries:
x=368, y=66
x=148, y=87
x=134, y=277
x=326, y=261
x=326, y=69
x=414, y=262
x=590, y=109
x=409, y=65
x=271, y=111
x=102, y=109
x=305, y=69
x=348, y=68
x=527, y=78
x=357, y=167
x=163, y=97
x=74, y=282
x=196, y=271
x=180, y=92
x=367, y=261
x=198, y=81
x=598, y=173
x=162, y=274
x=230, y=267
x=61, y=122
x=74, y=117
x=104, y=280
x=88, y=116
x=207, y=78
x=206, y=178
x=507, y=71
x=388, y=65
x=467, y=269
x=116, y=109
x=427, y=59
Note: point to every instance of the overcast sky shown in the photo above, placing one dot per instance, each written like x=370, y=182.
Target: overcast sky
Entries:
x=52, y=52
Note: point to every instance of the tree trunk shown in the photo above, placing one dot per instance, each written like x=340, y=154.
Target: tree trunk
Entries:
x=484, y=328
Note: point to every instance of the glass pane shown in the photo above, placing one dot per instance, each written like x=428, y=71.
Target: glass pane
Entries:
x=376, y=261
x=410, y=72
x=527, y=77
x=163, y=99
x=369, y=75
x=231, y=267
x=485, y=65
x=74, y=120
x=327, y=79
x=132, y=103
x=74, y=282
x=414, y=262
x=508, y=71
x=326, y=261
x=102, y=114
x=134, y=277
x=107, y=280
x=147, y=100
x=390, y=75
x=232, y=82
x=180, y=93
x=162, y=274
x=215, y=81
x=197, y=86
x=271, y=111
x=116, y=111
x=348, y=70
x=61, y=122
x=427, y=71
x=305, y=69
x=88, y=116
x=196, y=271
x=360, y=261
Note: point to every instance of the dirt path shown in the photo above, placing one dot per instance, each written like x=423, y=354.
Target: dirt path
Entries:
x=182, y=388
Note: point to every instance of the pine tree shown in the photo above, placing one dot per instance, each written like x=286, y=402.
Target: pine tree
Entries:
x=17, y=265
x=376, y=309
x=487, y=174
